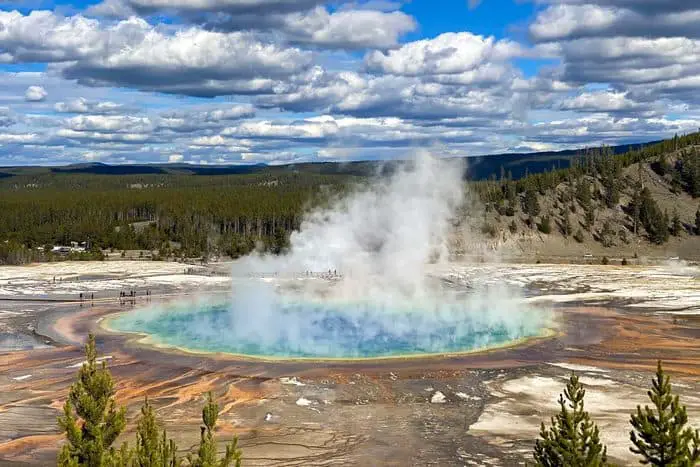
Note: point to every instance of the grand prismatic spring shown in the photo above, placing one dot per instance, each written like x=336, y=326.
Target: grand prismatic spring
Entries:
x=377, y=299
x=330, y=329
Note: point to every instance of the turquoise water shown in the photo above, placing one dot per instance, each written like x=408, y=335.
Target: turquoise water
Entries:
x=323, y=330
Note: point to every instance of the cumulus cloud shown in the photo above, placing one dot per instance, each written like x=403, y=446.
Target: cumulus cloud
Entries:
x=616, y=71
x=644, y=6
x=35, y=94
x=110, y=124
x=134, y=53
x=354, y=25
x=587, y=20
x=193, y=120
x=647, y=50
x=84, y=106
x=101, y=136
x=348, y=28
x=18, y=138
x=603, y=101
x=603, y=129
x=448, y=53
x=356, y=94
x=630, y=60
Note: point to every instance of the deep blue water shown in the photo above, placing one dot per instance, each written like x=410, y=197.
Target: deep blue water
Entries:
x=323, y=330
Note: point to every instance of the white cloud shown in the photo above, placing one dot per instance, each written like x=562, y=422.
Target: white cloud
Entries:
x=587, y=20
x=448, y=53
x=617, y=71
x=110, y=124
x=348, y=28
x=134, y=53
x=18, y=138
x=602, y=101
x=84, y=106
x=122, y=137
x=644, y=6
x=35, y=94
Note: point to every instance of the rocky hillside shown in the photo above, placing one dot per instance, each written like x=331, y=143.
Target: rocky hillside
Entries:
x=609, y=206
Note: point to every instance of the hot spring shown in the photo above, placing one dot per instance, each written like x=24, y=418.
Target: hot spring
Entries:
x=280, y=326
x=382, y=238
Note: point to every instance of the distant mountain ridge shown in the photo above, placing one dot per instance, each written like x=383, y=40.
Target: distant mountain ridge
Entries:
x=478, y=168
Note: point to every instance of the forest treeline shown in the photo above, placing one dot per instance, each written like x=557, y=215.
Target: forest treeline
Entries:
x=229, y=215
x=232, y=214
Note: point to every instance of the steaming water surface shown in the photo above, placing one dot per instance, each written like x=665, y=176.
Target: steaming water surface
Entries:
x=320, y=329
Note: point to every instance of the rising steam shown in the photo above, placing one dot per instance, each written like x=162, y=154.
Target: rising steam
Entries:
x=381, y=238
x=381, y=241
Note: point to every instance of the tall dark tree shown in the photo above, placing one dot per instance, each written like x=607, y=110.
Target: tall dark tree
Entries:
x=573, y=439
x=589, y=217
x=583, y=193
x=91, y=400
x=531, y=205
x=567, y=227
x=660, y=435
x=697, y=221
x=651, y=217
x=676, y=224
x=612, y=190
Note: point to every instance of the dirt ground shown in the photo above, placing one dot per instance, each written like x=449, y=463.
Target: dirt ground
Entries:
x=480, y=409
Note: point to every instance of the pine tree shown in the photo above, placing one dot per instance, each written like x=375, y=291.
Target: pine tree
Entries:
x=676, y=224
x=660, y=434
x=207, y=455
x=567, y=228
x=583, y=193
x=589, y=217
x=697, y=221
x=153, y=448
x=545, y=226
x=612, y=190
x=91, y=400
x=531, y=205
x=573, y=439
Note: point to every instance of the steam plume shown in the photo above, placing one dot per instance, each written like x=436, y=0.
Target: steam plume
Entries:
x=381, y=240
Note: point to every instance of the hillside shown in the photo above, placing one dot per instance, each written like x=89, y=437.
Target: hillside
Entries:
x=639, y=210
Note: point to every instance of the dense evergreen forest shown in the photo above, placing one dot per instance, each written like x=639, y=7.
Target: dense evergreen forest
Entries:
x=176, y=214
x=198, y=212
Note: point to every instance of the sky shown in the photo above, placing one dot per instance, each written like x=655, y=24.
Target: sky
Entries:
x=282, y=81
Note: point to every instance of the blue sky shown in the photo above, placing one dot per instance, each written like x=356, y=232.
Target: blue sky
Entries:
x=278, y=81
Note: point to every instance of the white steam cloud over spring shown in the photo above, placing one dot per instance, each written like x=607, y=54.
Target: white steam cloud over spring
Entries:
x=383, y=241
